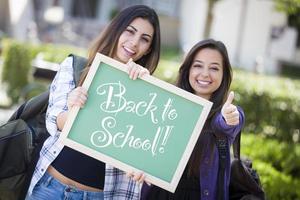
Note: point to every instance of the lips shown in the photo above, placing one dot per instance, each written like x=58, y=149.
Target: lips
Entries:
x=203, y=83
x=129, y=51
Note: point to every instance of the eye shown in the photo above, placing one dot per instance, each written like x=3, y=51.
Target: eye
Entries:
x=130, y=31
x=214, y=68
x=145, y=39
x=197, y=65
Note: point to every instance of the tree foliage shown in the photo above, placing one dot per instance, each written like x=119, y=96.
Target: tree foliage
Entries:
x=291, y=7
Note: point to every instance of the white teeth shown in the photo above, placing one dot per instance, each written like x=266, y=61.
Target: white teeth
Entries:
x=129, y=50
x=203, y=82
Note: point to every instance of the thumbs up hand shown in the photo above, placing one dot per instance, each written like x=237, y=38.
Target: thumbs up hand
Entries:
x=230, y=111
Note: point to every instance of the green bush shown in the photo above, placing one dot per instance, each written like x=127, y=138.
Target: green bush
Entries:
x=283, y=156
x=55, y=53
x=276, y=184
x=271, y=104
x=290, y=69
x=16, y=67
x=22, y=83
x=167, y=71
x=277, y=163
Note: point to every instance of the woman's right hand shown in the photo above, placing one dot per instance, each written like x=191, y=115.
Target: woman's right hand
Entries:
x=230, y=112
x=77, y=97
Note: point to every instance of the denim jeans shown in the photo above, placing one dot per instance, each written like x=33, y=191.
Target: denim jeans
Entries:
x=48, y=188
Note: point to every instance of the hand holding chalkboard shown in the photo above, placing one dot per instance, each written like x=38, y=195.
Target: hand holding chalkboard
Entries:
x=77, y=97
x=135, y=70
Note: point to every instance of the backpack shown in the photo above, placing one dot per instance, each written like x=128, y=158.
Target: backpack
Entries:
x=244, y=180
x=21, y=140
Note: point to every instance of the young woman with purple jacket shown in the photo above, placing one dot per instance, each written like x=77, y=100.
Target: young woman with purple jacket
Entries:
x=206, y=72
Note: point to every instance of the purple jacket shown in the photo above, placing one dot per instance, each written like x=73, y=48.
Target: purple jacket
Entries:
x=208, y=174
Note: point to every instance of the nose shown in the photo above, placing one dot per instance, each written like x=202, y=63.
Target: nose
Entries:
x=134, y=41
x=204, y=72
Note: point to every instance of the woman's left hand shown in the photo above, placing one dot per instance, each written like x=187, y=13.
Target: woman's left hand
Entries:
x=230, y=111
x=136, y=70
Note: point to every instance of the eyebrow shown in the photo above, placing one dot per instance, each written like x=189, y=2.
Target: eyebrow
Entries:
x=214, y=63
x=145, y=34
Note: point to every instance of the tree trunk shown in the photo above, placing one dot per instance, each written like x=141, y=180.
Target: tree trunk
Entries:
x=209, y=18
x=241, y=31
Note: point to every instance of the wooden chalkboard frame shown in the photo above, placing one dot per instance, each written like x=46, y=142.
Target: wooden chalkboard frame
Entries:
x=170, y=186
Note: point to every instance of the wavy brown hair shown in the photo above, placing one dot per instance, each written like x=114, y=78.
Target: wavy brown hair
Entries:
x=218, y=97
x=106, y=43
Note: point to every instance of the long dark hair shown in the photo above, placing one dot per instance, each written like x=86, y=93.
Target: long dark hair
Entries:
x=107, y=41
x=218, y=97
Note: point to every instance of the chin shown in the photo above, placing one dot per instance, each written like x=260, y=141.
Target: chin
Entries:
x=123, y=60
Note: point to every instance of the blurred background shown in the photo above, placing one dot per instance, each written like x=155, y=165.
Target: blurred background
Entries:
x=263, y=41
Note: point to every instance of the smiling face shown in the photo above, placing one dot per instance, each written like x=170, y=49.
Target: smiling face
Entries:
x=206, y=72
x=135, y=41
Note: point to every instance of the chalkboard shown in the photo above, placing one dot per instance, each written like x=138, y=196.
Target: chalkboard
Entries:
x=143, y=125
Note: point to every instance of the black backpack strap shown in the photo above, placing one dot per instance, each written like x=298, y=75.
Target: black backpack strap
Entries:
x=17, y=113
x=79, y=64
x=237, y=146
x=35, y=105
x=32, y=107
x=222, y=145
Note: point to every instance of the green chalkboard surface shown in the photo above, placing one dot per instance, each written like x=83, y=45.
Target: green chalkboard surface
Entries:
x=145, y=124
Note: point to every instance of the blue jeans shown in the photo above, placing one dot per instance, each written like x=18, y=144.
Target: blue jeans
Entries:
x=48, y=188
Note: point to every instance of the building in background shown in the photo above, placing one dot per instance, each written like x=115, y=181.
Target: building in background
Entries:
x=257, y=36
